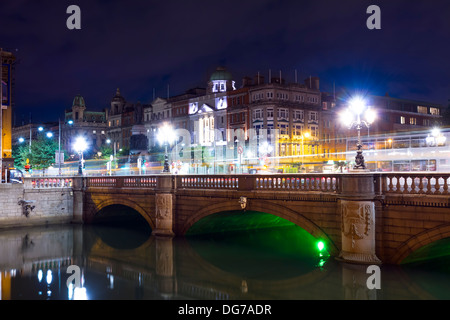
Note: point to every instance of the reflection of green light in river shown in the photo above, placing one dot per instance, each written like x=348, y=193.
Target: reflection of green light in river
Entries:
x=257, y=250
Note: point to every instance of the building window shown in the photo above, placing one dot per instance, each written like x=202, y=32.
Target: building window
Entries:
x=313, y=116
x=314, y=131
x=283, y=113
x=297, y=129
x=298, y=115
x=434, y=111
x=258, y=114
x=284, y=128
x=269, y=113
x=421, y=109
x=412, y=120
x=402, y=120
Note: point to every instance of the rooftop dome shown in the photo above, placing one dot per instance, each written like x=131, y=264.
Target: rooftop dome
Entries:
x=118, y=97
x=221, y=74
x=79, y=101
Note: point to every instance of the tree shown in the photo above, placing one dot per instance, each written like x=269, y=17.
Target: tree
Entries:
x=21, y=153
x=105, y=152
x=43, y=152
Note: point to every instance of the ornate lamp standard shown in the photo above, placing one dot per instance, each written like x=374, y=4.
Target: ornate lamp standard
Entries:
x=166, y=135
x=80, y=146
x=352, y=117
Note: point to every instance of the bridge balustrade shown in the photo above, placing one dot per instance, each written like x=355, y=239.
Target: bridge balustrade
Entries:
x=391, y=183
x=209, y=182
x=48, y=182
x=119, y=182
x=416, y=183
x=324, y=183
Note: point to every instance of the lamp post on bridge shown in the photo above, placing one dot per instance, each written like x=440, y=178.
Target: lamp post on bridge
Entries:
x=352, y=117
x=166, y=136
x=80, y=146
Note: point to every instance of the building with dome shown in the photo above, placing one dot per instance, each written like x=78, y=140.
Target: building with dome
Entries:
x=221, y=80
x=80, y=121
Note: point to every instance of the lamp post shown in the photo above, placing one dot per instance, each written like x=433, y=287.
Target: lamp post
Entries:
x=166, y=136
x=265, y=149
x=436, y=138
x=352, y=117
x=80, y=146
x=114, y=144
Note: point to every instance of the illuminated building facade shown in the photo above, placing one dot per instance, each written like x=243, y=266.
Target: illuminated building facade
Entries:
x=78, y=121
x=290, y=113
x=7, y=71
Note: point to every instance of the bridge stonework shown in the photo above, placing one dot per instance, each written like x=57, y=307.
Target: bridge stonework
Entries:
x=364, y=218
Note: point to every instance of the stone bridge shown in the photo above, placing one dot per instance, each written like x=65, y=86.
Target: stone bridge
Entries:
x=365, y=218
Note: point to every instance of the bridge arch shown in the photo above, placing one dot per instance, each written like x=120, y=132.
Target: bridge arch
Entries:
x=128, y=203
x=266, y=207
x=420, y=240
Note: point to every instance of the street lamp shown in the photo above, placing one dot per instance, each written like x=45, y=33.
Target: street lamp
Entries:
x=166, y=136
x=352, y=117
x=80, y=146
x=436, y=138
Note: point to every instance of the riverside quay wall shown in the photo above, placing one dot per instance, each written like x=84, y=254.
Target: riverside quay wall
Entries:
x=27, y=205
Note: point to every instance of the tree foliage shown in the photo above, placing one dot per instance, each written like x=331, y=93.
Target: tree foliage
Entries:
x=41, y=154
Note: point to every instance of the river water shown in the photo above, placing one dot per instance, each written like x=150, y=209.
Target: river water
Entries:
x=130, y=263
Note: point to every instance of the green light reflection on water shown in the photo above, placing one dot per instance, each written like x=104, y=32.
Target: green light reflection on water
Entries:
x=256, y=245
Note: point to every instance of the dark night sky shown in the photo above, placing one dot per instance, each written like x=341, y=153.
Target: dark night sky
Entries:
x=139, y=45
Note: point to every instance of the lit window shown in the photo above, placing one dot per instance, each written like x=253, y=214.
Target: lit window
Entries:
x=402, y=120
x=434, y=111
x=412, y=120
x=421, y=109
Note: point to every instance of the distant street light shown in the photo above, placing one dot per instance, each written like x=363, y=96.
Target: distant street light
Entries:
x=80, y=146
x=166, y=135
x=436, y=138
x=21, y=140
x=352, y=118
